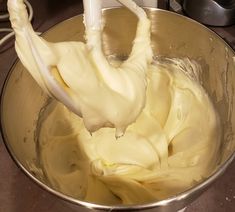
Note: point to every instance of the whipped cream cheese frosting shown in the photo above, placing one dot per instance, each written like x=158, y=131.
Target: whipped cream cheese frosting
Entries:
x=172, y=146
x=79, y=75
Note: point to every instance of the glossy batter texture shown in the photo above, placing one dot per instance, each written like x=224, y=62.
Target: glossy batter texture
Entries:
x=173, y=133
x=172, y=146
x=79, y=75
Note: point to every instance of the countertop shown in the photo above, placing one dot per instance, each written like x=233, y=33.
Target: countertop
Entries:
x=19, y=194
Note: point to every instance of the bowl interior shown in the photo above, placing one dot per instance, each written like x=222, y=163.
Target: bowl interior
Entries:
x=172, y=36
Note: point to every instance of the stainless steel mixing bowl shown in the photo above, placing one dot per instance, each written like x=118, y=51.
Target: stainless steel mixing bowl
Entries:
x=172, y=36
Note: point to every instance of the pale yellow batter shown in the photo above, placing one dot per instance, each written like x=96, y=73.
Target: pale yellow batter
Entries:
x=172, y=145
x=173, y=136
x=79, y=75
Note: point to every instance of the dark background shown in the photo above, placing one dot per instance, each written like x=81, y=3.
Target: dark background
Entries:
x=19, y=194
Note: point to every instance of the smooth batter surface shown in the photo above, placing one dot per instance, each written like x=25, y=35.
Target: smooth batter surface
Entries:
x=172, y=145
x=79, y=75
x=173, y=136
